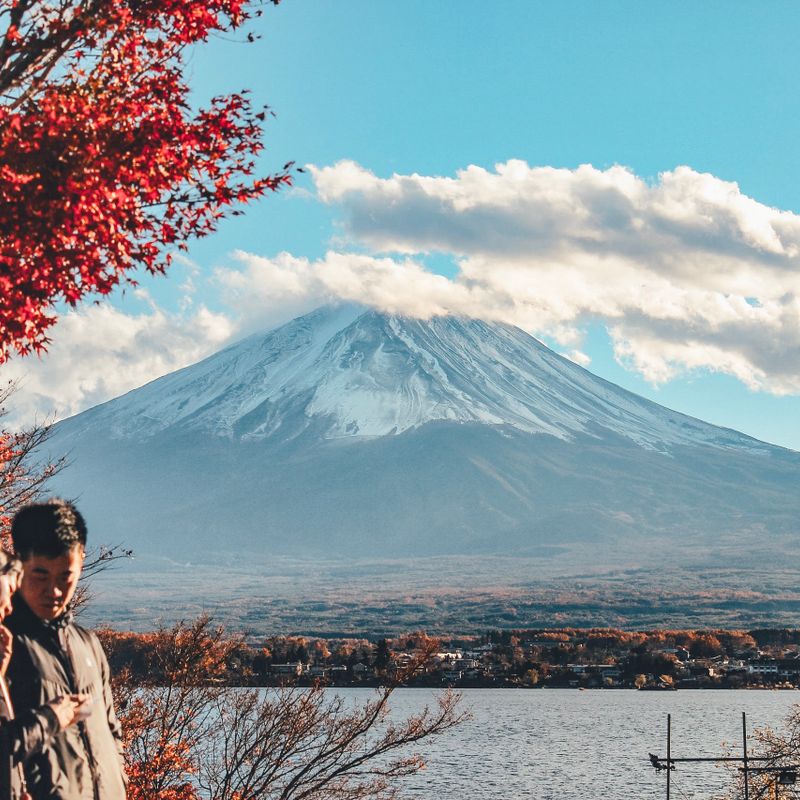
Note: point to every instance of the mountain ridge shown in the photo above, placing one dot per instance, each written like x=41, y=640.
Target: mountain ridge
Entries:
x=372, y=374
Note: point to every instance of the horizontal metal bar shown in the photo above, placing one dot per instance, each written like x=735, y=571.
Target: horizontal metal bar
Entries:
x=718, y=758
x=789, y=768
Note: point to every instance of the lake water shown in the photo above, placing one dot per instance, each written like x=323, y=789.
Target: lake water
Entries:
x=551, y=744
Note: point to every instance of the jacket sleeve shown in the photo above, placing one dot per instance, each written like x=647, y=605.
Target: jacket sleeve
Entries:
x=34, y=725
x=29, y=732
x=23, y=679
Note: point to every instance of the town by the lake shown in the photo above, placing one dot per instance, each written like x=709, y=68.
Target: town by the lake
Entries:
x=561, y=658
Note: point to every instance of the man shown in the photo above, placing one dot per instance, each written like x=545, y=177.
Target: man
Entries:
x=53, y=657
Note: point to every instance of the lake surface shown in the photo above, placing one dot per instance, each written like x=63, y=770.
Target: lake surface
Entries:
x=545, y=744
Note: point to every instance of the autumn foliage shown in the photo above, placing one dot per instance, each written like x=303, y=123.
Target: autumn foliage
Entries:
x=105, y=166
x=192, y=735
x=167, y=717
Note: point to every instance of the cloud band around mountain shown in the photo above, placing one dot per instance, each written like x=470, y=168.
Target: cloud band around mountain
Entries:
x=686, y=272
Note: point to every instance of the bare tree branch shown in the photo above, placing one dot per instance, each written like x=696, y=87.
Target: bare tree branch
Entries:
x=23, y=472
x=187, y=732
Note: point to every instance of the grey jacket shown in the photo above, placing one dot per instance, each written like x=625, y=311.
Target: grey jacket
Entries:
x=49, y=659
x=21, y=738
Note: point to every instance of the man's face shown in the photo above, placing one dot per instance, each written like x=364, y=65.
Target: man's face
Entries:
x=48, y=584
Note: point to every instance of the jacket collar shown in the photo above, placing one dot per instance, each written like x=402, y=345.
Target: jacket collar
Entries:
x=26, y=621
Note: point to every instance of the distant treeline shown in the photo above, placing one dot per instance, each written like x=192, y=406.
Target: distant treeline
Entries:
x=497, y=657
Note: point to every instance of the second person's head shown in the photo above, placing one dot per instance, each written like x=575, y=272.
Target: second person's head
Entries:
x=50, y=540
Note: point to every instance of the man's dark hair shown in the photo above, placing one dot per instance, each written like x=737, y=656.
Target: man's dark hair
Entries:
x=49, y=529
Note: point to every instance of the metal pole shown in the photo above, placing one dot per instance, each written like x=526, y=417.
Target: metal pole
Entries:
x=669, y=738
x=744, y=753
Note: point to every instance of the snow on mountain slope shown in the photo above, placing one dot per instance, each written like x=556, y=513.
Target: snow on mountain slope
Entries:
x=349, y=434
x=356, y=372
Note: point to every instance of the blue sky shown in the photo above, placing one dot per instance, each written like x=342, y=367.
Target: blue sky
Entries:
x=429, y=89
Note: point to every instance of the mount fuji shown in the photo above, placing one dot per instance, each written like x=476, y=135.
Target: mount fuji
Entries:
x=351, y=434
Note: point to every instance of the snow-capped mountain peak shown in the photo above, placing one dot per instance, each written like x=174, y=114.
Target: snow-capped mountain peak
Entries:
x=348, y=371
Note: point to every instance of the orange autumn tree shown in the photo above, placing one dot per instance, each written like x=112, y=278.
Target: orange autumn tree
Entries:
x=189, y=735
x=166, y=721
x=105, y=167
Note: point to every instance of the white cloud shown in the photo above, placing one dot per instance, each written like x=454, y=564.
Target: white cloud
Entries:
x=687, y=272
x=579, y=357
x=272, y=290
x=100, y=352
